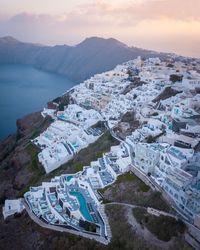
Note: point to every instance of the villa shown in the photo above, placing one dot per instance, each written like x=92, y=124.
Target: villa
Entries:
x=12, y=207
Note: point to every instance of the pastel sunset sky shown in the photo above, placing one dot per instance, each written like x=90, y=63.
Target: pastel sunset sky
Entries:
x=162, y=25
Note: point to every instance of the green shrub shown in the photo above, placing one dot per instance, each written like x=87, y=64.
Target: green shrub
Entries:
x=175, y=78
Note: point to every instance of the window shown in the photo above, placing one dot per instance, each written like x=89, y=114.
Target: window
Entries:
x=176, y=196
x=167, y=161
x=183, y=200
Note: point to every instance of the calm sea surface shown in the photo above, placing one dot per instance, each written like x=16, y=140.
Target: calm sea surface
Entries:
x=24, y=89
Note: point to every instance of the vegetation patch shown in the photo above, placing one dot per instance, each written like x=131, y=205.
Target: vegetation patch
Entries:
x=175, y=78
x=24, y=233
x=35, y=134
x=169, y=65
x=163, y=227
x=122, y=234
x=167, y=93
x=62, y=101
x=134, y=83
x=99, y=124
x=128, y=117
x=153, y=139
x=33, y=151
x=127, y=177
x=34, y=166
x=130, y=189
x=132, y=177
x=7, y=146
x=131, y=122
x=85, y=156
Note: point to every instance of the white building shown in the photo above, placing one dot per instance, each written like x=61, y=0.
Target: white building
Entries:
x=191, y=81
x=11, y=207
x=147, y=156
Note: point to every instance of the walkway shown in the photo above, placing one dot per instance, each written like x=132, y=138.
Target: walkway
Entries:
x=142, y=231
x=136, y=206
x=145, y=233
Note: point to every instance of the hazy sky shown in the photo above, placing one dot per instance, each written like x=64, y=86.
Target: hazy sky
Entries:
x=163, y=25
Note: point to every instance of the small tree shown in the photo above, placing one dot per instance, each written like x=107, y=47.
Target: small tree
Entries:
x=151, y=139
x=175, y=78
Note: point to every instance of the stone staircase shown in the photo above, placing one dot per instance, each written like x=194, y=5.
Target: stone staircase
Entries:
x=105, y=219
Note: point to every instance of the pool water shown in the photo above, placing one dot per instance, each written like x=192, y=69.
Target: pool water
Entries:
x=75, y=146
x=52, y=197
x=69, y=177
x=62, y=117
x=58, y=208
x=83, y=205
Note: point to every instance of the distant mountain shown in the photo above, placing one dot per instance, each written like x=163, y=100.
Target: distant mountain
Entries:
x=8, y=40
x=93, y=55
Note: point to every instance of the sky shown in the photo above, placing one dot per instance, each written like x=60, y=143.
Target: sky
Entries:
x=161, y=25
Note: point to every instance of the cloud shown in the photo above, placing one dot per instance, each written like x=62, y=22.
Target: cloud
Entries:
x=155, y=24
x=102, y=12
x=132, y=12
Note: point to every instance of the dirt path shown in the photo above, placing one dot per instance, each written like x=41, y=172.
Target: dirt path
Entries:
x=145, y=233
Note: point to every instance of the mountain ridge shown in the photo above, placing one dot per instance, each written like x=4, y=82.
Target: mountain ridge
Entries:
x=8, y=39
x=91, y=56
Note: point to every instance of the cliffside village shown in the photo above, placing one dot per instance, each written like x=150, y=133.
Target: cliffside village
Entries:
x=163, y=96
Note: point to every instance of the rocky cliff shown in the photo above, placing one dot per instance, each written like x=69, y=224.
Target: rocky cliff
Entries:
x=93, y=55
x=16, y=158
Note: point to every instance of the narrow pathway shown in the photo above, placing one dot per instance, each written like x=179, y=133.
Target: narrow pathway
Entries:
x=139, y=230
x=145, y=233
x=134, y=206
x=122, y=204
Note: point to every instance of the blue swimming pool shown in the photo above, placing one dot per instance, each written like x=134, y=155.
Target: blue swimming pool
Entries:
x=52, y=197
x=62, y=117
x=58, y=208
x=75, y=145
x=48, y=136
x=69, y=177
x=83, y=205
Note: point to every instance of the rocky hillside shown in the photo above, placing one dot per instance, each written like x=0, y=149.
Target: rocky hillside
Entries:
x=93, y=55
x=17, y=163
